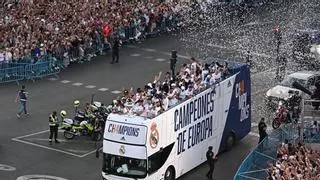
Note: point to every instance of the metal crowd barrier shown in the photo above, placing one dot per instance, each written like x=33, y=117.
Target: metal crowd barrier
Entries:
x=12, y=74
x=40, y=70
x=31, y=68
x=15, y=72
x=255, y=165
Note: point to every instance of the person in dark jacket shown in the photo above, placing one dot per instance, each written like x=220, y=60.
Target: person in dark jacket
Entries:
x=262, y=130
x=115, y=50
x=211, y=159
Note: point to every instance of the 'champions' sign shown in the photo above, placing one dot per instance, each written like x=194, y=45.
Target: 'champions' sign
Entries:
x=194, y=120
x=124, y=130
x=125, y=133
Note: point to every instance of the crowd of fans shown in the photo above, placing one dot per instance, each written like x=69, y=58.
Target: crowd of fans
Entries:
x=295, y=163
x=160, y=95
x=31, y=28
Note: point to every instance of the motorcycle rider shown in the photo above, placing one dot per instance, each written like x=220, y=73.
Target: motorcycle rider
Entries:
x=294, y=102
x=53, y=124
x=88, y=113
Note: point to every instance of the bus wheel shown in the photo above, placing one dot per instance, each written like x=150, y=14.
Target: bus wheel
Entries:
x=230, y=141
x=170, y=174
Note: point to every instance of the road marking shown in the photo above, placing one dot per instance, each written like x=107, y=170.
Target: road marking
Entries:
x=116, y=92
x=38, y=176
x=65, y=81
x=32, y=134
x=103, y=89
x=45, y=147
x=149, y=49
x=77, y=84
x=90, y=86
x=4, y=167
x=44, y=139
x=135, y=55
x=53, y=79
x=91, y=152
x=165, y=53
x=160, y=59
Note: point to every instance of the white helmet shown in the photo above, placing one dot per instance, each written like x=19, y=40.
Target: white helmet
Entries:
x=76, y=103
x=63, y=113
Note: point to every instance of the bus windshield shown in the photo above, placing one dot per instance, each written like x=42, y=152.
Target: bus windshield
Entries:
x=124, y=166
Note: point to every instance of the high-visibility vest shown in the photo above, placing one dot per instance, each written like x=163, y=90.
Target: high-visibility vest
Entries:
x=53, y=121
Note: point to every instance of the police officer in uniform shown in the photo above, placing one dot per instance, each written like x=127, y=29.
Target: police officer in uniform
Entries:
x=211, y=159
x=53, y=124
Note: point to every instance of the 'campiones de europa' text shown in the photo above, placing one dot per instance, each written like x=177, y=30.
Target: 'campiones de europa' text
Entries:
x=193, y=120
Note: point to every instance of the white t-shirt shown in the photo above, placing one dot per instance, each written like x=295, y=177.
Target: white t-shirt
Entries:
x=183, y=94
x=203, y=74
x=165, y=103
x=212, y=81
x=193, y=67
x=216, y=76
x=189, y=92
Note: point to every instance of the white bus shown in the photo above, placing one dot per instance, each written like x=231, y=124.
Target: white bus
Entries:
x=174, y=142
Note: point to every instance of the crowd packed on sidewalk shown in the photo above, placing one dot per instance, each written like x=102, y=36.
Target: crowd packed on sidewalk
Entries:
x=295, y=163
x=32, y=28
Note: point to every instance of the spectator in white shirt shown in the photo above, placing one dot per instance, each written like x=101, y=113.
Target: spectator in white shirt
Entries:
x=138, y=107
x=190, y=91
x=217, y=75
x=183, y=93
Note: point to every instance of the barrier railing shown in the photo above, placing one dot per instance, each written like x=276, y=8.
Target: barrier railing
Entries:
x=254, y=167
x=36, y=67
x=12, y=74
x=15, y=71
x=40, y=70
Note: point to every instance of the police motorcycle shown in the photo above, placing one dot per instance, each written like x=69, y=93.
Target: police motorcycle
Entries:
x=288, y=111
x=80, y=127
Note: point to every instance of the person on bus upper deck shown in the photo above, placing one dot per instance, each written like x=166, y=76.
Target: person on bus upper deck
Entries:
x=193, y=66
x=165, y=102
x=212, y=79
x=190, y=91
x=217, y=75
x=183, y=94
x=205, y=71
x=138, y=107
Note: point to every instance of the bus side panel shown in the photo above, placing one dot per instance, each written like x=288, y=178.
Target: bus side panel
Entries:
x=239, y=115
x=191, y=132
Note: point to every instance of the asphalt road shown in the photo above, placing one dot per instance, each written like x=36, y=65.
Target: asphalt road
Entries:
x=23, y=142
